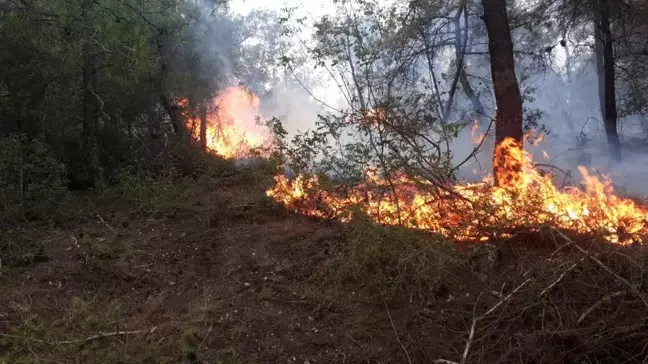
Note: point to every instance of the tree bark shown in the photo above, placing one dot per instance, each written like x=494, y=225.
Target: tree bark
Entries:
x=90, y=143
x=605, y=64
x=508, y=119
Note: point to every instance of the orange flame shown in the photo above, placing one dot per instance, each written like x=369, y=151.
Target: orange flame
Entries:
x=525, y=198
x=232, y=130
x=477, y=138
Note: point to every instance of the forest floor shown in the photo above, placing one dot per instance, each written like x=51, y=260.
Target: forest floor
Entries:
x=226, y=276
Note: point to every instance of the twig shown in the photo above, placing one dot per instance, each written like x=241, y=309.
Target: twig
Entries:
x=107, y=334
x=104, y=222
x=443, y=361
x=503, y=300
x=632, y=288
x=83, y=341
x=464, y=357
x=473, y=326
x=206, y=336
x=560, y=277
x=409, y=360
x=606, y=299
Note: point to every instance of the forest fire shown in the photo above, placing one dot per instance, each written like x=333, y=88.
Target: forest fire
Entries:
x=525, y=199
x=231, y=130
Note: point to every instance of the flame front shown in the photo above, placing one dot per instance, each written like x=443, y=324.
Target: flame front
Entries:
x=524, y=199
x=231, y=128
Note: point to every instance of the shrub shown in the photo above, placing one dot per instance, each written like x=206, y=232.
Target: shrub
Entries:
x=148, y=194
x=394, y=260
x=32, y=181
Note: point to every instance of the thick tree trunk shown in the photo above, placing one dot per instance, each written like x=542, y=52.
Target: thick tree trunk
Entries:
x=173, y=111
x=90, y=143
x=508, y=120
x=605, y=64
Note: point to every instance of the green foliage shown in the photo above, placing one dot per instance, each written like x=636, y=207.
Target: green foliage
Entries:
x=395, y=261
x=140, y=58
x=149, y=195
x=32, y=181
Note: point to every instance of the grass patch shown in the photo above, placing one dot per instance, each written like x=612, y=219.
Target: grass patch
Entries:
x=18, y=248
x=147, y=195
x=395, y=261
x=69, y=339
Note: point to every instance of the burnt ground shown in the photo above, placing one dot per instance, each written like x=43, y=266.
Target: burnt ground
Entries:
x=228, y=277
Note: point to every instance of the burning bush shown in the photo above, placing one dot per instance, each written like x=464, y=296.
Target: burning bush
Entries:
x=524, y=199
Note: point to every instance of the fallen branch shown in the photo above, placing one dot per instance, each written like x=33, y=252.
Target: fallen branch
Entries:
x=475, y=320
x=88, y=339
x=544, y=291
x=107, y=334
x=606, y=299
x=105, y=223
x=632, y=288
x=206, y=336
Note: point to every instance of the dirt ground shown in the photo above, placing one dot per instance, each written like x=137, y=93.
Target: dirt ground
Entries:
x=226, y=278
x=229, y=271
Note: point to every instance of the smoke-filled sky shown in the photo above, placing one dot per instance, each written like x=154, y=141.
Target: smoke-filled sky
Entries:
x=305, y=6
x=556, y=97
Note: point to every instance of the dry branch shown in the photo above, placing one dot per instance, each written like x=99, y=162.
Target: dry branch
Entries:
x=102, y=335
x=632, y=288
x=86, y=340
x=105, y=223
x=571, y=267
x=475, y=320
x=600, y=302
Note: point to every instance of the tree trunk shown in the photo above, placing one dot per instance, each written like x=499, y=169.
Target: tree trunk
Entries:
x=203, y=126
x=90, y=144
x=508, y=120
x=605, y=65
x=173, y=111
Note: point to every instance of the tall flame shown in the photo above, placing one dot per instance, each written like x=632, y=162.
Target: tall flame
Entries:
x=232, y=130
x=524, y=198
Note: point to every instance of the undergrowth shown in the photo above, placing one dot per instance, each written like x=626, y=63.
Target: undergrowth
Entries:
x=71, y=338
x=148, y=195
x=395, y=261
x=32, y=181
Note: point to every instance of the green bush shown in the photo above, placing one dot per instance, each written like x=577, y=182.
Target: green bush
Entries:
x=32, y=181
